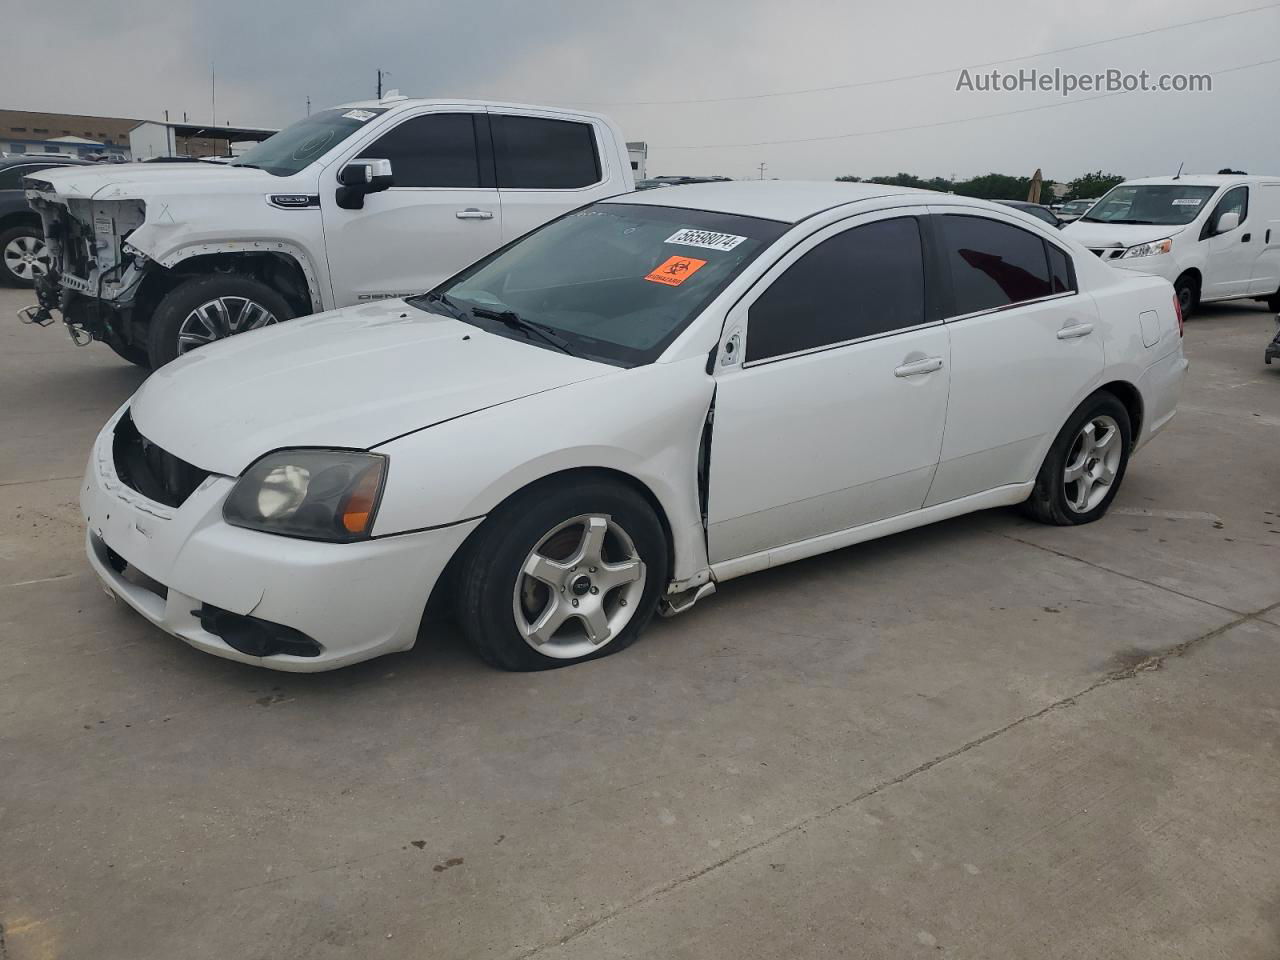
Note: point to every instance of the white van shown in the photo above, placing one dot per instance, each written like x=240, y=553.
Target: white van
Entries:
x=1213, y=237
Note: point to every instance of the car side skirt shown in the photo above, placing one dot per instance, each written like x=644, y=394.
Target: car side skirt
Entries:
x=998, y=497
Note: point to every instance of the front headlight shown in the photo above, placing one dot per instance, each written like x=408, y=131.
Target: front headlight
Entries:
x=1149, y=249
x=314, y=494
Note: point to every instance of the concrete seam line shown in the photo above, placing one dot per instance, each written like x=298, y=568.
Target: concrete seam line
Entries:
x=27, y=583
x=19, y=483
x=1121, y=573
x=1152, y=662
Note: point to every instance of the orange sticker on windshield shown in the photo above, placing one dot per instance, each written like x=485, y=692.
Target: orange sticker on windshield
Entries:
x=676, y=270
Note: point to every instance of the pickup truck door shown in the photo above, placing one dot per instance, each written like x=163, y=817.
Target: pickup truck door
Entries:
x=442, y=214
x=548, y=164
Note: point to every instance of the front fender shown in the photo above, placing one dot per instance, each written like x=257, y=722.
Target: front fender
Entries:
x=646, y=423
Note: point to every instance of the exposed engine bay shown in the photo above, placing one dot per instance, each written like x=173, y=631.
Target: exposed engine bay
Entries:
x=94, y=273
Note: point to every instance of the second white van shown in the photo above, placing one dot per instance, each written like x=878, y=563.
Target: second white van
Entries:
x=1213, y=237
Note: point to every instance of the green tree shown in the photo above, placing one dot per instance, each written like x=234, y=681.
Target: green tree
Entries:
x=1092, y=185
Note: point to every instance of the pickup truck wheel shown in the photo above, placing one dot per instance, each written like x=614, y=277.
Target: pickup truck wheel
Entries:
x=23, y=255
x=561, y=574
x=205, y=309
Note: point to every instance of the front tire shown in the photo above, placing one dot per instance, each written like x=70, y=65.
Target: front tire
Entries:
x=565, y=572
x=204, y=309
x=23, y=255
x=1085, y=466
x=1188, y=294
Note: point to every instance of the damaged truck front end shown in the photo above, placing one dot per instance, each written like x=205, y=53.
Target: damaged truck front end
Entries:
x=94, y=275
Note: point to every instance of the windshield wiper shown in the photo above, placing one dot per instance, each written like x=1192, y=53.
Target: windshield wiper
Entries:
x=451, y=308
x=247, y=166
x=513, y=320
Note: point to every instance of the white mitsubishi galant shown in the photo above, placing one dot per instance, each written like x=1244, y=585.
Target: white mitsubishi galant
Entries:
x=644, y=397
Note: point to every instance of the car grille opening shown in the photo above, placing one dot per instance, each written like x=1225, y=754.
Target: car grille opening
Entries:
x=153, y=472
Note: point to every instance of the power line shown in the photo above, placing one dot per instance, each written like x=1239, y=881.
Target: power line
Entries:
x=936, y=123
x=929, y=73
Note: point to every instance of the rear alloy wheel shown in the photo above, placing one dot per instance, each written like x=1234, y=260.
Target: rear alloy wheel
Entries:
x=1083, y=470
x=565, y=572
x=24, y=257
x=204, y=309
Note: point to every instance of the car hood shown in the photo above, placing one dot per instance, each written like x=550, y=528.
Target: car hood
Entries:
x=353, y=378
x=1118, y=234
x=122, y=180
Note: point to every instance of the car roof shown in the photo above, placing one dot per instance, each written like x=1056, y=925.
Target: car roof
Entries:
x=398, y=103
x=787, y=201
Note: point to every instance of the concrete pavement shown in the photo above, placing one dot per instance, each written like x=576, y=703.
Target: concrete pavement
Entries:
x=982, y=739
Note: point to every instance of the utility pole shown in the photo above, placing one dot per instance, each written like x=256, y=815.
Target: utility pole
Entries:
x=308, y=106
x=213, y=93
x=761, y=168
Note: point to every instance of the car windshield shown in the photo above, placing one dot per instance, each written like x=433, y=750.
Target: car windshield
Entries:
x=288, y=151
x=1167, y=204
x=616, y=282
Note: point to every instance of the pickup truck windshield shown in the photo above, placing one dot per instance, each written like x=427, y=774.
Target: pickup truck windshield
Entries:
x=615, y=282
x=288, y=151
x=1167, y=204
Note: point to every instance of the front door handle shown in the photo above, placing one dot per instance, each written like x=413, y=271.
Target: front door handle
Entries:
x=916, y=367
x=1075, y=330
x=1245, y=238
x=474, y=213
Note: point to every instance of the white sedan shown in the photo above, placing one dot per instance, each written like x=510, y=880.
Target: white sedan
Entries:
x=646, y=397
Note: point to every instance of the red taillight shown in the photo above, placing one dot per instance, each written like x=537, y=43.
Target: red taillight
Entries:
x=1177, y=309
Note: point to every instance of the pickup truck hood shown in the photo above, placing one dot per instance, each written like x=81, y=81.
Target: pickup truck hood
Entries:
x=354, y=378
x=117, y=181
x=1099, y=235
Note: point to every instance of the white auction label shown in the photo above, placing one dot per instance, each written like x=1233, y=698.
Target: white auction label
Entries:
x=705, y=238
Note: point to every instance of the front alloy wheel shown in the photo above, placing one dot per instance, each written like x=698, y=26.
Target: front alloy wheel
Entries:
x=221, y=317
x=578, y=588
x=569, y=569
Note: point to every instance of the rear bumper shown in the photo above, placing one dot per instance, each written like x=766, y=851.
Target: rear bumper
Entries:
x=356, y=600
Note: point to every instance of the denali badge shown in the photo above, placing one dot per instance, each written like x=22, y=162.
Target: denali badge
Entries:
x=293, y=201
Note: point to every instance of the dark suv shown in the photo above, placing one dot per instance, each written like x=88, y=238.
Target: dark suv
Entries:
x=22, y=253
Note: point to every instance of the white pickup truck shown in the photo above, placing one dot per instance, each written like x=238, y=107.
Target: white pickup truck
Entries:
x=365, y=201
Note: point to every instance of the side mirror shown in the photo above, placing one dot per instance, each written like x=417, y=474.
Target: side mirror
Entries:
x=359, y=178
x=1227, y=222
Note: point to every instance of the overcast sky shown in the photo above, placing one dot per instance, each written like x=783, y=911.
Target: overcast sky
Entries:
x=141, y=57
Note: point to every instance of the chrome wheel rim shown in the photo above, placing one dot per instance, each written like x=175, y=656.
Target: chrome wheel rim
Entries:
x=578, y=588
x=27, y=257
x=220, y=318
x=1092, y=463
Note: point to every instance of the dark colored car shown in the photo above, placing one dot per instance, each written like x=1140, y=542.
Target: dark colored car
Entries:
x=1036, y=210
x=22, y=253
x=1273, y=348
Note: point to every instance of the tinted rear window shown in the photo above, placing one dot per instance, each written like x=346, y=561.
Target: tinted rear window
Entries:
x=992, y=263
x=537, y=153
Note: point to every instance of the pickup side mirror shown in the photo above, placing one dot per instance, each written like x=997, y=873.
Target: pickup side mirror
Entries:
x=359, y=178
x=1227, y=222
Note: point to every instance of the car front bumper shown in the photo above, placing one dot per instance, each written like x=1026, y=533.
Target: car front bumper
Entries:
x=355, y=600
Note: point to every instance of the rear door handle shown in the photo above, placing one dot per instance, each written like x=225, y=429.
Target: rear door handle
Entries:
x=1075, y=330
x=916, y=367
x=474, y=213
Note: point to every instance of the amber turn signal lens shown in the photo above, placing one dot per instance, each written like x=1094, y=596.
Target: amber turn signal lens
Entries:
x=357, y=510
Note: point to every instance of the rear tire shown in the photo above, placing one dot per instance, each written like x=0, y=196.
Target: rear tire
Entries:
x=615, y=590
x=1085, y=451
x=209, y=308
